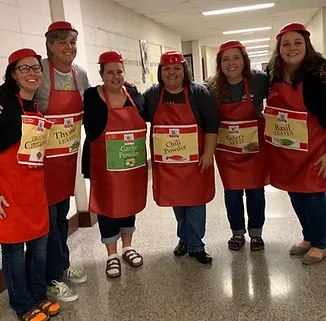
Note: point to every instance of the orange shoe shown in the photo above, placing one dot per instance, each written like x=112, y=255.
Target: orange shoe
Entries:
x=34, y=315
x=50, y=308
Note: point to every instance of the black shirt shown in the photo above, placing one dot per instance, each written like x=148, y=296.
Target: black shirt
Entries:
x=201, y=104
x=10, y=118
x=258, y=85
x=96, y=111
x=96, y=117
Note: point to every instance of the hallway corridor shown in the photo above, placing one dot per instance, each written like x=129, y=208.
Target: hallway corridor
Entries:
x=238, y=286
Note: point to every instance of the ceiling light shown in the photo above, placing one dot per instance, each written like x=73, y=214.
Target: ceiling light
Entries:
x=260, y=55
x=257, y=52
x=239, y=9
x=256, y=40
x=257, y=47
x=246, y=30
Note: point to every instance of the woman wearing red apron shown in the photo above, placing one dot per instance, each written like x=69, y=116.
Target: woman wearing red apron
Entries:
x=118, y=164
x=24, y=219
x=183, y=138
x=241, y=155
x=295, y=129
x=60, y=100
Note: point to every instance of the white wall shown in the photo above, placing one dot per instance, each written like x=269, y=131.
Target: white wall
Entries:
x=316, y=28
x=186, y=47
x=108, y=25
x=211, y=60
x=22, y=24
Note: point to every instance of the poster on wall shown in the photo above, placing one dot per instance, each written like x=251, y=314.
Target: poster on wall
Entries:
x=144, y=56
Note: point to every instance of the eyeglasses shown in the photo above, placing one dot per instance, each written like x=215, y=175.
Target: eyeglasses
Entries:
x=25, y=69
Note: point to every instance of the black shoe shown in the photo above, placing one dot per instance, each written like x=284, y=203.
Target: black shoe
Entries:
x=180, y=250
x=201, y=257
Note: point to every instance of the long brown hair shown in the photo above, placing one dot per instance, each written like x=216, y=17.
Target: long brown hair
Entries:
x=276, y=64
x=218, y=84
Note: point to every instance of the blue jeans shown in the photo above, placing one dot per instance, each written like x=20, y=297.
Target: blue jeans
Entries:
x=255, y=209
x=25, y=275
x=58, y=252
x=311, y=212
x=191, y=226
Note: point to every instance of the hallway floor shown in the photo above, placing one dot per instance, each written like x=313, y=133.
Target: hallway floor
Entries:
x=238, y=286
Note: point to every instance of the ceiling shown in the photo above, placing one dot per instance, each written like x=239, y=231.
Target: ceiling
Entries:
x=185, y=16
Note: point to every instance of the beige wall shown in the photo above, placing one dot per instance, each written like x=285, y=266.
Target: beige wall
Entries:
x=108, y=25
x=22, y=24
x=317, y=27
x=211, y=60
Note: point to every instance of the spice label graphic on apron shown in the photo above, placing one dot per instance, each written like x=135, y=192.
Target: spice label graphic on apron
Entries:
x=286, y=128
x=125, y=150
x=178, y=144
x=240, y=137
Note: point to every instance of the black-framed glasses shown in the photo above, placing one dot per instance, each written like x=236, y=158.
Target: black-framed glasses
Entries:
x=25, y=69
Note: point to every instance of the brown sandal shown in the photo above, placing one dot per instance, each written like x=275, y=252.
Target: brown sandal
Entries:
x=130, y=255
x=34, y=315
x=50, y=308
x=112, y=264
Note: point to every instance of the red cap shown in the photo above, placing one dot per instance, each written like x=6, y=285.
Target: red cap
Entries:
x=293, y=27
x=110, y=56
x=173, y=57
x=22, y=53
x=61, y=25
x=230, y=44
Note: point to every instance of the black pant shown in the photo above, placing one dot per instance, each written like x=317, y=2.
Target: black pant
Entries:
x=112, y=228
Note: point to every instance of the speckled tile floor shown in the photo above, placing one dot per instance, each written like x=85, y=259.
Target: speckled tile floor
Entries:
x=238, y=286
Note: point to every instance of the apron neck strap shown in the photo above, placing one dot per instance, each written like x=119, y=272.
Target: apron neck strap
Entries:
x=107, y=100
x=52, y=83
x=124, y=89
x=22, y=104
x=185, y=90
x=246, y=85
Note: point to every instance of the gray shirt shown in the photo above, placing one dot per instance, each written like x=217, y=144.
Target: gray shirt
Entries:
x=62, y=82
x=258, y=88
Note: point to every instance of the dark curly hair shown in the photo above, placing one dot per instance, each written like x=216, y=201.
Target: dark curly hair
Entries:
x=10, y=83
x=218, y=84
x=276, y=65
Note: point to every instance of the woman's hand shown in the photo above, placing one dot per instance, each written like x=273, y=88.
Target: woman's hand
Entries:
x=1, y=108
x=205, y=162
x=5, y=203
x=133, y=85
x=322, y=168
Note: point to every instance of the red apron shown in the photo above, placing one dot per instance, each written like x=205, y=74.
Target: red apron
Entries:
x=60, y=172
x=180, y=184
x=293, y=170
x=243, y=171
x=23, y=188
x=114, y=192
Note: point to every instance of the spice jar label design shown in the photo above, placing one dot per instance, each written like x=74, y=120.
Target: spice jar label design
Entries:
x=286, y=128
x=240, y=137
x=34, y=141
x=177, y=144
x=125, y=150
